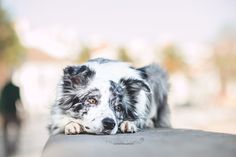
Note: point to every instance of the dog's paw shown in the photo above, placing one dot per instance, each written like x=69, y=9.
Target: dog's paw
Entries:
x=128, y=127
x=150, y=124
x=73, y=128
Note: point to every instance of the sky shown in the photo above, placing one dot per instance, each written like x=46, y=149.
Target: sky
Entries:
x=121, y=21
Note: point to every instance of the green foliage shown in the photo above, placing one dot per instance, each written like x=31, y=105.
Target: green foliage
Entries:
x=11, y=51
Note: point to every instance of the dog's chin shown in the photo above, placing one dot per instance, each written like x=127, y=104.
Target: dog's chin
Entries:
x=106, y=132
x=102, y=132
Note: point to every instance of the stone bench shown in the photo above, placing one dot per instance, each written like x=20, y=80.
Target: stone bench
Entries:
x=147, y=143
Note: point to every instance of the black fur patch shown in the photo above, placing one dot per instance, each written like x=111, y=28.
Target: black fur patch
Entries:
x=134, y=85
x=66, y=102
x=116, y=89
x=75, y=76
x=143, y=73
x=75, y=102
x=132, y=89
x=124, y=97
x=117, y=103
x=77, y=106
x=115, y=100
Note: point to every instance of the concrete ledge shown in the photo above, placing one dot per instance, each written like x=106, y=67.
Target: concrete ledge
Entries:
x=148, y=143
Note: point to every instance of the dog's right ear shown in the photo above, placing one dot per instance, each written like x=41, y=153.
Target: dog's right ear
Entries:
x=75, y=70
x=77, y=75
x=70, y=70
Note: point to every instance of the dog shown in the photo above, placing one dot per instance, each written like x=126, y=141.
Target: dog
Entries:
x=104, y=96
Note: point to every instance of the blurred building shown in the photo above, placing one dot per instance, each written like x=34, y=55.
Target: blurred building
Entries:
x=38, y=78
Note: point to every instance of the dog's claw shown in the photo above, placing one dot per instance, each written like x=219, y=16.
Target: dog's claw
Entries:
x=128, y=127
x=73, y=128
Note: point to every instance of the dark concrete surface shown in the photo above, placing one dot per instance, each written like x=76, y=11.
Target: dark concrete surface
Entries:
x=147, y=143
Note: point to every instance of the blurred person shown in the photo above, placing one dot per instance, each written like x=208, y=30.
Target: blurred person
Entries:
x=9, y=99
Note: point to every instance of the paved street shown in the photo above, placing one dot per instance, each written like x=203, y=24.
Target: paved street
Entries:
x=33, y=137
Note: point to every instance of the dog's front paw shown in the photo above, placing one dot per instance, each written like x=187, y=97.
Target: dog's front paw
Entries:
x=128, y=127
x=73, y=128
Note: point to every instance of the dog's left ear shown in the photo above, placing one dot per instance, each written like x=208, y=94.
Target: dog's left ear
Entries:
x=134, y=85
x=77, y=75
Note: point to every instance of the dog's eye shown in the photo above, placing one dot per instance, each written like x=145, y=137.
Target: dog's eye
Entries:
x=118, y=108
x=92, y=101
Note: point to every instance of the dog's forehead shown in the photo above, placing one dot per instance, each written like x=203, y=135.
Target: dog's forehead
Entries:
x=113, y=70
x=102, y=85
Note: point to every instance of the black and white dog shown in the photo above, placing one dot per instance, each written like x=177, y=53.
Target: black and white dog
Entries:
x=106, y=96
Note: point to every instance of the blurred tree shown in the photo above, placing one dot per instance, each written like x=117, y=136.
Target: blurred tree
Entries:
x=123, y=55
x=172, y=59
x=11, y=50
x=224, y=58
x=84, y=54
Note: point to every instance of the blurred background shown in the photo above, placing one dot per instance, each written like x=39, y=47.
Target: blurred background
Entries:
x=194, y=40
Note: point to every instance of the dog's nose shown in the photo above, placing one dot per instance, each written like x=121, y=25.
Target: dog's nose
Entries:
x=108, y=123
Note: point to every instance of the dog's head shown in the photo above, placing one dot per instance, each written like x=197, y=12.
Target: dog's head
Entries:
x=100, y=104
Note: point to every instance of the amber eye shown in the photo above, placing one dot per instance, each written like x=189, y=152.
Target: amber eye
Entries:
x=118, y=108
x=92, y=101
